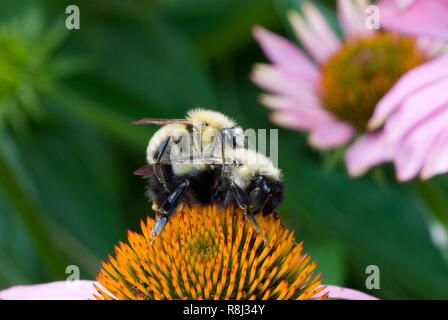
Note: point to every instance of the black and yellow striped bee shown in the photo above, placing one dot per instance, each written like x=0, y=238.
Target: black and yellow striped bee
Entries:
x=201, y=160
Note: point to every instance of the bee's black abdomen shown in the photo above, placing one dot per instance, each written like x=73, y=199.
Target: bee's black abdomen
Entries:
x=209, y=186
x=200, y=191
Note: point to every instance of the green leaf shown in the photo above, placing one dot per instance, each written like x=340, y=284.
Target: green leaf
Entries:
x=435, y=198
x=84, y=109
x=9, y=273
x=76, y=187
x=434, y=193
x=158, y=65
x=330, y=260
x=221, y=26
x=31, y=217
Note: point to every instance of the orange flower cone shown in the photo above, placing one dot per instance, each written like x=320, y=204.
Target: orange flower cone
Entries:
x=206, y=253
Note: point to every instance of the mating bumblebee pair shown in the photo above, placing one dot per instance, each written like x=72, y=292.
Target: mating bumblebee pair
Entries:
x=202, y=160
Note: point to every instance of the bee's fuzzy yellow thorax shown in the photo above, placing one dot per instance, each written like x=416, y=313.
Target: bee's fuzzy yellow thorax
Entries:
x=212, y=118
x=158, y=138
x=252, y=163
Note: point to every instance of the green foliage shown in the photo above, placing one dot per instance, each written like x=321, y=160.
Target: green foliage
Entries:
x=67, y=192
x=28, y=67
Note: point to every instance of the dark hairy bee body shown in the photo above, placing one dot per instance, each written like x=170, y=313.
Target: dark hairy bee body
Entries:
x=210, y=186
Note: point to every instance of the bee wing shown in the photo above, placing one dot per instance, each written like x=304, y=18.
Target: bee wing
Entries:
x=145, y=171
x=162, y=122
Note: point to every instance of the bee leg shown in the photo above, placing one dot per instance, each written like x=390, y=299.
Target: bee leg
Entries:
x=158, y=169
x=242, y=201
x=161, y=150
x=167, y=208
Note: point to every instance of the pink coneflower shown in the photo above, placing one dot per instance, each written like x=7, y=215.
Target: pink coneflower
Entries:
x=411, y=121
x=204, y=253
x=334, y=95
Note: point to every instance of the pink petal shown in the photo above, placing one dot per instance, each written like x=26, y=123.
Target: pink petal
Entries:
x=315, y=34
x=367, y=151
x=431, y=47
x=59, y=290
x=415, y=109
x=336, y=292
x=352, y=16
x=319, y=25
x=413, y=80
x=286, y=54
x=412, y=151
x=302, y=118
x=417, y=17
x=331, y=135
x=297, y=113
x=277, y=80
x=437, y=159
x=288, y=103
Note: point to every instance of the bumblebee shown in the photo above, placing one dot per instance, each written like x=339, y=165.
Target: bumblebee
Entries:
x=201, y=160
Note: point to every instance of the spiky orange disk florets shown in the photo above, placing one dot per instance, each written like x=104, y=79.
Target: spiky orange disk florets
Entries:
x=362, y=72
x=210, y=254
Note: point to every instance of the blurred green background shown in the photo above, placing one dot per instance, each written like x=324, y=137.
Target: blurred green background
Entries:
x=68, y=149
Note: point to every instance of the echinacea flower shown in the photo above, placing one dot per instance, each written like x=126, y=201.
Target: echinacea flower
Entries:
x=410, y=123
x=203, y=253
x=335, y=94
x=210, y=254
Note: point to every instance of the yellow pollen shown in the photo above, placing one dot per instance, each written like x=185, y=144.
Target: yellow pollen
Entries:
x=362, y=72
x=206, y=253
